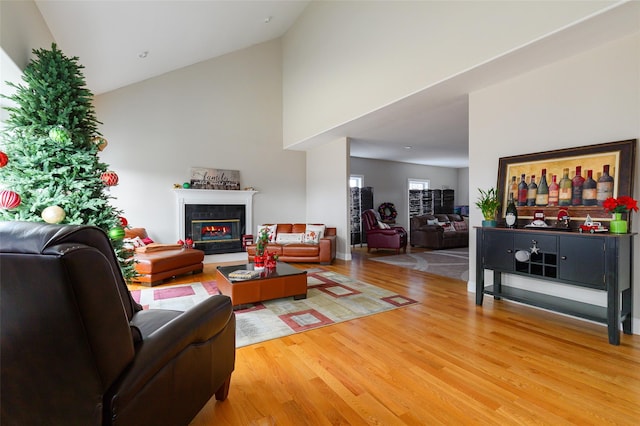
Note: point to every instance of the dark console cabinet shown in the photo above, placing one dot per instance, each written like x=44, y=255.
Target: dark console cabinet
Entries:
x=596, y=261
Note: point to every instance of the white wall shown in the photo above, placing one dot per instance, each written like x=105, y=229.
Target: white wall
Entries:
x=22, y=29
x=389, y=181
x=586, y=99
x=345, y=59
x=223, y=113
x=327, y=189
x=462, y=194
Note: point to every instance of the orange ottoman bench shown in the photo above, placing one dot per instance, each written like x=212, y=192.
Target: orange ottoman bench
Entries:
x=157, y=262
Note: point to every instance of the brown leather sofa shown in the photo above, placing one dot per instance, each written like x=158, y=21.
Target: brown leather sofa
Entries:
x=78, y=350
x=154, y=266
x=324, y=252
x=425, y=231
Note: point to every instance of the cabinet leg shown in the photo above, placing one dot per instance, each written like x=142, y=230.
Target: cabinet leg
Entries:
x=497, y=284
x=613, y=314
x=627, y=308
x=614, y=335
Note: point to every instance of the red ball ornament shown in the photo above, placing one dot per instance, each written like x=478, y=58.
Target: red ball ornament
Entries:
x=109, y=178
x=3, y=159
x=9, y=199
x=123, y=220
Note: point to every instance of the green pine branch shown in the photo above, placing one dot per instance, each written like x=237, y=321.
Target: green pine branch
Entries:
x=57, y=167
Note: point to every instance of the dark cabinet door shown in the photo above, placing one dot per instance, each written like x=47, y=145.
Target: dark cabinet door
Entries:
x=582, y=261
x=498, y=251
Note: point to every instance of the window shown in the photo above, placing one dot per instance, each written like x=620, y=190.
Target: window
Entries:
x=356, y=181
x=420, y=201
x=418, y=184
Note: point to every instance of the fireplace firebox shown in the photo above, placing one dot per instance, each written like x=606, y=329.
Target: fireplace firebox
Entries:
x=215, y=228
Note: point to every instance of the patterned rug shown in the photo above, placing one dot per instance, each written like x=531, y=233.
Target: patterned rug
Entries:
x=331, y=298
x=452, y=263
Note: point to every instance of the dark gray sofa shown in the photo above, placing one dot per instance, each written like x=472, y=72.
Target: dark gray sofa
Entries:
x=426, y=231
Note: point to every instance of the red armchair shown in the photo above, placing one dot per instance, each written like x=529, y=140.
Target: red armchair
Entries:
x=394, y=237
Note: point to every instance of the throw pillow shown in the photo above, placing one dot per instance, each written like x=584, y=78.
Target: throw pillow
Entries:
x=313, y=233
x=292, y=238
x=447, y=226
x=432, y=221
x=383, y=225
x=271, y=231
x=460, y=226
x=133, y=243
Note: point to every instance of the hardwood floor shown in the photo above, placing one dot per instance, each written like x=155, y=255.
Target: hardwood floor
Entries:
x=442, y=361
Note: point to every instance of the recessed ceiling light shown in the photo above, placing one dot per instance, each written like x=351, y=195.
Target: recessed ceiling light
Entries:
x=408, y=147
x=143, y=54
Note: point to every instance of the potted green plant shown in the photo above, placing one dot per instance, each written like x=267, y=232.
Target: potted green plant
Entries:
x=488, y=204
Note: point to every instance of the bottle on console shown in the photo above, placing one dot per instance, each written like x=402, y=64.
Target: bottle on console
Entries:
x=589, y=197
x=511, y=216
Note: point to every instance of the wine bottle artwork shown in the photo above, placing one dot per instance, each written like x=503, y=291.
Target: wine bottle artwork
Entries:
x=542, y=196
x=604, y=187
x=513, y=188
x=564, y=194
x=554, y=192
x=532, y=191
x=522, y=191
x=589, y=190
x=576, y=183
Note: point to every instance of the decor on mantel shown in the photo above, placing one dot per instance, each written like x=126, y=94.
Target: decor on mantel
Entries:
x=618, y=206
x=202, y=178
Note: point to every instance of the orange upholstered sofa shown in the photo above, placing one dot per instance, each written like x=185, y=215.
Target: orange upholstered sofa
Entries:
x=157, y=262
x=288, y=250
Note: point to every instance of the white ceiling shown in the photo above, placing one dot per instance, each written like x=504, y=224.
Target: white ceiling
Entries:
x=108, y=36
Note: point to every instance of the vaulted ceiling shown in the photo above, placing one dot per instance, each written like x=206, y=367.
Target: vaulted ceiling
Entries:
x=124, y=42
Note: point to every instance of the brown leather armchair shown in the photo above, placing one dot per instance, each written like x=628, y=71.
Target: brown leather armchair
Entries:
x=395, y=237
x=77, y=349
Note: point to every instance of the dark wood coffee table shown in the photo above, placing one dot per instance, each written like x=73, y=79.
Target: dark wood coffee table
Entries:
x=282, y=281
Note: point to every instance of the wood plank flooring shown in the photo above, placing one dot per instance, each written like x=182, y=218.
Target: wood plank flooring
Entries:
x=442, y=361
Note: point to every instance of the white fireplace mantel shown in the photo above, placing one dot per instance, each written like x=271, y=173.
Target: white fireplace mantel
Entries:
x=213, y=196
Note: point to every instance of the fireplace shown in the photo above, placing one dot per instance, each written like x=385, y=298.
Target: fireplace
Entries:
x=215, y=228
x=215, y=220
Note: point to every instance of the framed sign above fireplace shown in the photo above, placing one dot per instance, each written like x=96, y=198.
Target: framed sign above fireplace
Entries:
x=203, y=178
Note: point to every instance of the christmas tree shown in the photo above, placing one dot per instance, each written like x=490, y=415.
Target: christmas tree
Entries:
x=49, y=167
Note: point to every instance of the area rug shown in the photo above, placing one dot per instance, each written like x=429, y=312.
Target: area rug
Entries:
x=331, y=298
x=452, y=263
